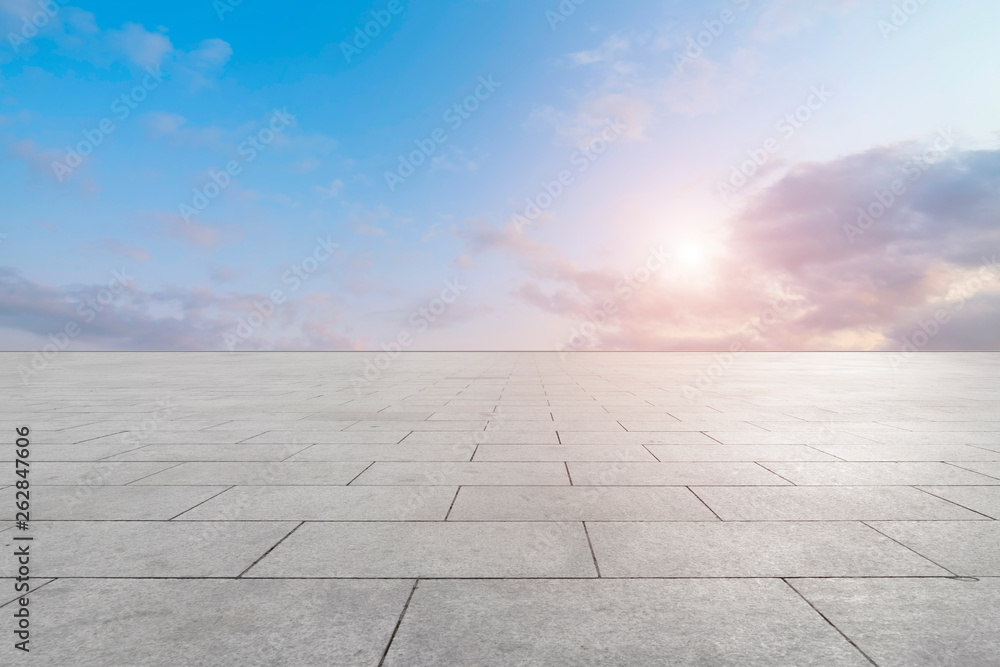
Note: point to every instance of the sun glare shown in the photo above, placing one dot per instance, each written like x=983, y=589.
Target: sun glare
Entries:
x=690, y=254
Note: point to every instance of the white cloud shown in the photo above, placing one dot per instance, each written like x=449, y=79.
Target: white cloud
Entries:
x=205, y=63
x=606, y=52
x=591, y=116
x=144, y=48
x=171, y=318
x=176, y=129
x=195, y=234
x=211, y=54
x=21, y=26
x=133, y=252
x=76, y=34
x=305, y=165
x=781, y=18
x=330, y=191
x=703, y=86
x=162, y=123
x=40, y=165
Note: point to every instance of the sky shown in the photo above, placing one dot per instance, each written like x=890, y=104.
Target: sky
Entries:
x=500, y=175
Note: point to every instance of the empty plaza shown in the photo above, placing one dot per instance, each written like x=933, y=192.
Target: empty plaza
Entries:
x=507, y=508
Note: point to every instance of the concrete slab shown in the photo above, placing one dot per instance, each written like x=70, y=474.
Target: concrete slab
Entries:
x=671, y=474
x=830, y=503
x=639, y=438
x=386, y=453
x=913, y=622
x=988, y=468
x=456, y=474
x=609, y=622
x=966, y=548
x=563, y=453
x=253, y=473
x=982, y=499
x=115, y=503
x=877, y=474
x=245, y=452
x=92, y=473
x=578, y=503
x=99, y=622
x=753, y=549
x=909, y=452
x=326, y=503
x=145, y=548
x=433, y=549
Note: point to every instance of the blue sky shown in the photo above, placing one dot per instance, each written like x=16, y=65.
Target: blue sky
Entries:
x=640, y=248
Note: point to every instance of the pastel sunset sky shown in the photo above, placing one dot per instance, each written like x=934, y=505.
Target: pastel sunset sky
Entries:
x=500, y=174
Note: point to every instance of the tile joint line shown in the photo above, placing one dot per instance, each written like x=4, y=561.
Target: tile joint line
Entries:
x=399, y=622
x=849, y=640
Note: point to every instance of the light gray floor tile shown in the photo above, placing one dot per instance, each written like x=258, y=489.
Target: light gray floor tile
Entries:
x=909, y=452
x=11, y=595
x=47, y=424
x=704, y=424
x=106, y=436
x=830, y=503
x=457, y=474
x=423, y=425
x=86, y=452
x=936, y=438
x=114, y=503
x=261, y=425
x=299, y=429
x=876, y=474
x=757, y=549
x=465, y=416
x=989, y=468
x=967, y=548
x=251, y=420
x=356, y=414
x=217, y=437
x=757, y=418
x=97, y=623
x=329, y=437
x=578, y=503
x=954, y=425
x=326, y=503
x=92, y=474
x=146, y=548
x=584, y=423
x=985, y=499
x=255, y=473
x=824, y=426
x=400, y=452
x=913, y=622
x=135, y=426
x=671, y=474
x=432, y=549
x=495, y=437
x=608, y=622
x=641, y=438
x=738, y=453
x=210, y=453
x=814, y=439
x=563, y=453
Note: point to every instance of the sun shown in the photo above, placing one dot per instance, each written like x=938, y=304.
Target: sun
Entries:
x=690, y=254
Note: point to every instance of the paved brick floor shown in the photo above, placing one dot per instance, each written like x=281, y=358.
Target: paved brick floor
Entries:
x=508, y=509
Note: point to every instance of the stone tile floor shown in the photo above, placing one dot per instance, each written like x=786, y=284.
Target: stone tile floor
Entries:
x=507, y=509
